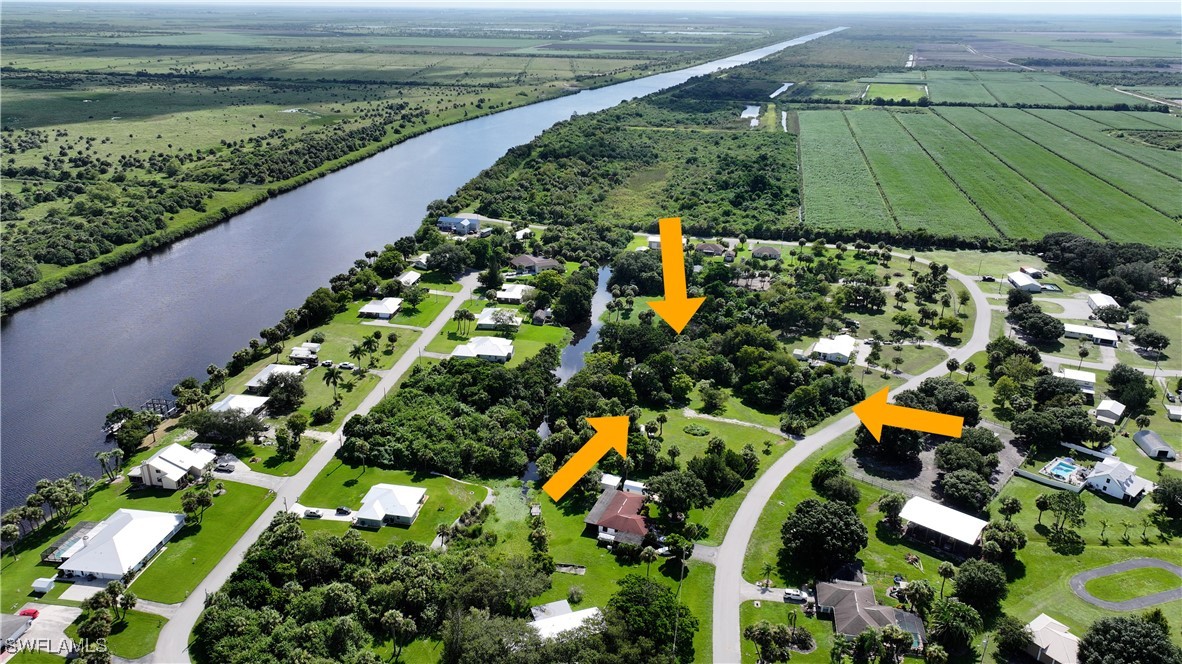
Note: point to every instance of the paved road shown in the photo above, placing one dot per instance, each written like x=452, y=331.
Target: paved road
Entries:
x=1144, y=602
x=173, y=644
x=730, y=590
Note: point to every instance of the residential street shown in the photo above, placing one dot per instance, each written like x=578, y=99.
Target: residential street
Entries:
x=173, y=644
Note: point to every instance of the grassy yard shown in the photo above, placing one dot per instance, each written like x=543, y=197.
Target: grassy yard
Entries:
x=916, y=359
x=778, y=612
x=194, y=551
x=342, y=485
x=271, y=463
x=438, y=281
x=737, y=410
x=426, y=312
x=131, y=638
x=1132, y=584
x=527, y=341
x=569, y=545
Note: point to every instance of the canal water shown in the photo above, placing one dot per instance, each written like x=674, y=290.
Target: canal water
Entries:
x=130, y=335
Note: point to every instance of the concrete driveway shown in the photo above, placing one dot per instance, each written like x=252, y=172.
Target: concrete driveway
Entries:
x=326, y=513
x=48, y=633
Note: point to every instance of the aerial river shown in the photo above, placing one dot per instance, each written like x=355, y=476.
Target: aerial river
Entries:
x=130, y=335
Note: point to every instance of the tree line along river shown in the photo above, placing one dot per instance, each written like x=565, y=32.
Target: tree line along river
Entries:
x=131, y=334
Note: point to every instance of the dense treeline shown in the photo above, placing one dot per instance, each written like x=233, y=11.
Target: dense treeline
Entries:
x=1129, y=78
x=300, y=597
x=1124, y=271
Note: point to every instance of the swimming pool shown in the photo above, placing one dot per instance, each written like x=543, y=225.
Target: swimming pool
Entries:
x=1063, y=469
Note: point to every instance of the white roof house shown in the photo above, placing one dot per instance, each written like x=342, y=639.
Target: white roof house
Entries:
x=171, y=467
x=839, y=349
x=493, y=349
x=486, y=320
x=270, y=370
x=121, y=543
x=552, y=626
x=1052, y=641
x=944, y=520
x=1023, y=281
x=613, y=482
x=654, y=242
x=409, y=278
x=1118, y=479
x=1098, y=335
x=420, y=261
x=1109, y=412
x=1097, y=300
x=1032, y=271
x=383, y=308
x=244, y=402
x=523, y=233
x=1085, y=379
x=514, y=293
x=390, y=503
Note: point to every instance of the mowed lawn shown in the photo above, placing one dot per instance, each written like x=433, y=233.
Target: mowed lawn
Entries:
x=777, y=612
x=194, y=551
x=896, y=91
x=340, y=485
x=528, y=340
x=570, y=543
x=1133, y=584
x=131, y=638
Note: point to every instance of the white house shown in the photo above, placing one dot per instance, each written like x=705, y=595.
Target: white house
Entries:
x=1052, y=642
x=1115, y=478
x=1097, y=300
x=1109, y=412
x=1023, y=281
x=554, y=625
x=488, y=319
x=409, y=278
x=838, y=350
x=610, y=481
x=492, y=349
x=172, y=467
x=523, y=233
x=514, y=293
x=390, y=504
x=260, y=379
x=120, y=544
x=1086, y=380
x=383, y=308
x=305, y=353
x=1032, y=271
x=1098, y=335
x=420, y=261
x=244, y=402
x=654, y=242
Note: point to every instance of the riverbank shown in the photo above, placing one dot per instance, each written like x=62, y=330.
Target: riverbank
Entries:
x=225, y=205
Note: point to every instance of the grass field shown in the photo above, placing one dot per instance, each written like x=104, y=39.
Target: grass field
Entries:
x=896, y=91
x=342, y=485
x=981, y=172
x=1132, y=584
x=131, y=638
x=775, y=611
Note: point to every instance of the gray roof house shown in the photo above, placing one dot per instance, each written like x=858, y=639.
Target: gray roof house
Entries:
x=535, y=264
x=710, y=248
x=1154, y=446
x=459, y=225
x=854, y=608
x=766, y=253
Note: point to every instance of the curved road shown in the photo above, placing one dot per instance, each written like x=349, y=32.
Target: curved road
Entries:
x=730, y=590
x=172, y=647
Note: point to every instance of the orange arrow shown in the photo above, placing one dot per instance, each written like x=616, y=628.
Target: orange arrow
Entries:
x=609, y=432
x=876, y=413
x=676, y=309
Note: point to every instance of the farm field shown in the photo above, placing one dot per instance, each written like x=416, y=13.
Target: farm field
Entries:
x=986, y=172
x=1098, y=126
x=1004, y=87
x=1084, y=43
x=896, y=91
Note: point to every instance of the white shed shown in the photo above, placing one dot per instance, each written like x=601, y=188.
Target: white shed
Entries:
x=1023, y=281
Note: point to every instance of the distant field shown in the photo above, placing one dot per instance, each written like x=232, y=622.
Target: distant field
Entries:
x=1122, y=46
x=896, y=91
x=1162, y=91
x=987, y=172
x=1005, y=87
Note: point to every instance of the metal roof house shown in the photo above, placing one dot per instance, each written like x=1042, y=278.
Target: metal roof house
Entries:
x=1097, y=300
x=383, y=308
x=121, y=544
x=459, y=225
x=250, y=404
x=172, y=467
x=1154, y=446
x=1118, y=479
x=390, y=504
x=1023, y=281
x=554, y=618
x=491, y=349
x=1109, y=412
x=260, y=379
x=1052, y=642
x=943, y=526
x=1098, y=335
x=838, y=350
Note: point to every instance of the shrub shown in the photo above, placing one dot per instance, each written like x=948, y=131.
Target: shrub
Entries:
x=574, y=595
x=317, y=337
x=323, y=414
x=696, y=430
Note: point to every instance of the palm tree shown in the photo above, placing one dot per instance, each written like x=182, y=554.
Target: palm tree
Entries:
x=441, y=531
x=371, y=345
x=662, y=418
x=1103, y=527
x=357, y=352
x=647, y=556
x=946, y=571
x=102, y=459
x=1083, y=353
x=459, y=317
x=1126, y=525
x=332, y=378
x=767, y=574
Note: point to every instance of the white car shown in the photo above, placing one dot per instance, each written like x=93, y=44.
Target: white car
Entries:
x=347, y=366
x=794, y=595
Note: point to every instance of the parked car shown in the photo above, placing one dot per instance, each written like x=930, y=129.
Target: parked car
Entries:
x=224, y=467
x=344, y=510
x=987, y=277
x=312, y=514
x=1171, y=397
x=326, y=363
x=29, y=613
x=794, y=595
x=348, y=366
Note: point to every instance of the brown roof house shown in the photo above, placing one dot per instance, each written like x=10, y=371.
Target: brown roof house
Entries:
x=617, y=517
x=854, y=609
x=526, y=264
